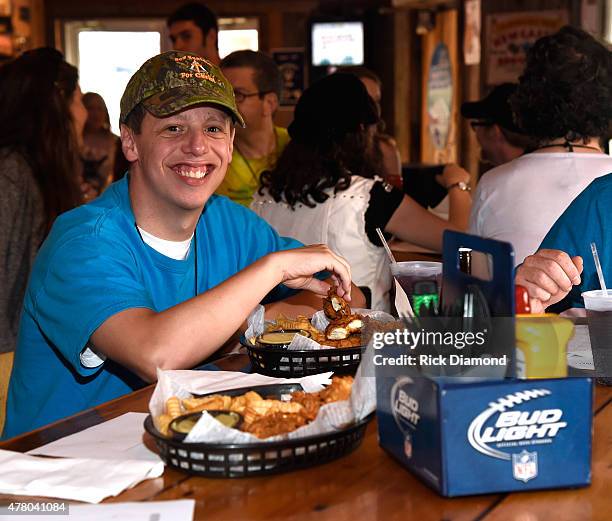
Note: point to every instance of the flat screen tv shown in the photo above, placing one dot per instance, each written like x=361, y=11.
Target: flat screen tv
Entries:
x=336, y=43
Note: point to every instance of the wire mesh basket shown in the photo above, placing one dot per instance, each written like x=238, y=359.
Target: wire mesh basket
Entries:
x=234, y=460
x=280, y=361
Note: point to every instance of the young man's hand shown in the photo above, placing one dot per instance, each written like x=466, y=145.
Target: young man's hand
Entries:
x=548, y=276
x=297, y=267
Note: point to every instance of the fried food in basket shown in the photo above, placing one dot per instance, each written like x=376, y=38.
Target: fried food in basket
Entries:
x=262, y=417
x=275, y=423
x=282, y=323
x=334, y=306
x=162, y=423
x=340, y=389
x=215, y=402
x=351, y=341
x=173, y=407
x=342, y=328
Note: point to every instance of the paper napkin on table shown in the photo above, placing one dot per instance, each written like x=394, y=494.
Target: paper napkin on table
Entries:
x=89, y=480
x=579, y=354
x=119, y=438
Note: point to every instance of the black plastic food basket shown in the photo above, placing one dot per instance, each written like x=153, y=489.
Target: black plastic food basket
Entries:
x=280, y=361
x=227, y=460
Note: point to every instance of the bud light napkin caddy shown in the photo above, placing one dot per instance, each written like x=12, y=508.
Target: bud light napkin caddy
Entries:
x=465, y=436
x=477, y=438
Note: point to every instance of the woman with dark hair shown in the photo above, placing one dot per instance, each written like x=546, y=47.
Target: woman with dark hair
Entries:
x=41, y=125
x=324, y=189
x=564, y=102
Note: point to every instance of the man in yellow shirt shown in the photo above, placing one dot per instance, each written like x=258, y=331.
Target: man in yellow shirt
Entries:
x=257, y=84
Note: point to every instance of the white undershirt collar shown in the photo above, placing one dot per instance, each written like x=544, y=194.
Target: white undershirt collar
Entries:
x=177, y=250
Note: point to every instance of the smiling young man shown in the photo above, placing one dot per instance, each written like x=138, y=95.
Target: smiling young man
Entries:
x=193, y=28
x=257, y=85
x=157, y=272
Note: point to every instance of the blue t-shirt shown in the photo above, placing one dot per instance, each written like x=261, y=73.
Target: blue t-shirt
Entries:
x=93, y=265
x=583, y=222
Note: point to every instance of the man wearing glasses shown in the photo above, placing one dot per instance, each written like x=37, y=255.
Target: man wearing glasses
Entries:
x=257, y=84
x=491, y=118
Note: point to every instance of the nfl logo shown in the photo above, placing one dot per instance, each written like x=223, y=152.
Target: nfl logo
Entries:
x=525, y=466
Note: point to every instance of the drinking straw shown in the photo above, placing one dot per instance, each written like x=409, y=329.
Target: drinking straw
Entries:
x=602, y=281
x=384, y=242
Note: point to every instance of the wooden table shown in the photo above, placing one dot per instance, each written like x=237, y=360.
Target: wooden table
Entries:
x=367, y=484
x=406, y=251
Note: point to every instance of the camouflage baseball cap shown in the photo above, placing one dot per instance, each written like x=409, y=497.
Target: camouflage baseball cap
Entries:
x=173, y=81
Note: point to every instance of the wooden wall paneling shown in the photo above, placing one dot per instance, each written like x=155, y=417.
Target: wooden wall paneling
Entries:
x=469, y=149
x=38, y=33
x=275, y=30
x=402, y=89
x=445, y=31
x=294, y=33
x=416, y=94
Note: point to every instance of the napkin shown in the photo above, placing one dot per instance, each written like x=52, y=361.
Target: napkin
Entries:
x=579, y=354
x=402, y=304
x=89, y=480
x=119, y=438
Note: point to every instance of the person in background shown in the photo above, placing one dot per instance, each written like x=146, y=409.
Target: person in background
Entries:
x=499, y=138
x=323, y=189
x=41, y=123
x=385, y=156
x=257, y=84
x=157, y=272
x=193, y=28
x=563, y=102
x=100, y=146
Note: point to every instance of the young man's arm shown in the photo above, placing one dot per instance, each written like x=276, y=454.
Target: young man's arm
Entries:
x=182, y=336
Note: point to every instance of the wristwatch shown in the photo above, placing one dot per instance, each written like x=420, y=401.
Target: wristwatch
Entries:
x=464, y=187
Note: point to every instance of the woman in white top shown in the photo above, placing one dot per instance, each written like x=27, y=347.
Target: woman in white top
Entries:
x=324, y=190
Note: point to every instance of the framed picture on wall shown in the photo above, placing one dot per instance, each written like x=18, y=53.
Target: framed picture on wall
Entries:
x=510, y=35
x=291, y=63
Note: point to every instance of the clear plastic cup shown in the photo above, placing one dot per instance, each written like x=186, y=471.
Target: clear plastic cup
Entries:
x=410, y=273
x=599, y=316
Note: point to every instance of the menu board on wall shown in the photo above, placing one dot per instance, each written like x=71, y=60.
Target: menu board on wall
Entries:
x=510, y=35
